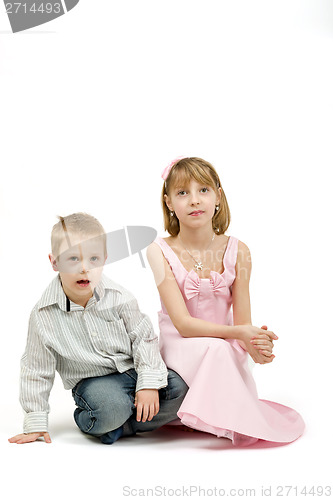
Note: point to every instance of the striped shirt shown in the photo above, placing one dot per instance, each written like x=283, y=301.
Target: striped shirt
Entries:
x=109, y=335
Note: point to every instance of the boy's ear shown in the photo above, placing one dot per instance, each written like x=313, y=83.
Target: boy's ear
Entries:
x=53, y=262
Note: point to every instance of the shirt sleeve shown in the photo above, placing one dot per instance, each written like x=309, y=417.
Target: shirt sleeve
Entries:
x=148, y=363
x=37, y=376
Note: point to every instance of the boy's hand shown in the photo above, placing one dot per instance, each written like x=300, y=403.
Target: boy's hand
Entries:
x=147, y=404
x=29, y=438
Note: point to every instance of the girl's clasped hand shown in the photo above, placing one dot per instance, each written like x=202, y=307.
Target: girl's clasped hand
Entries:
x=257, y=343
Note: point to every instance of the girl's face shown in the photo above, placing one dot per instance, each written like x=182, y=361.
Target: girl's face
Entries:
x=193, y=204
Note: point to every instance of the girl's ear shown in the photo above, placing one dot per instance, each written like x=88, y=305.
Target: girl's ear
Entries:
x=167, y=201
x=219, y=194
x=53, y=262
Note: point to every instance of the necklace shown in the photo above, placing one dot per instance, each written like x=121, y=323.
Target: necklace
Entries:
x=198, y=265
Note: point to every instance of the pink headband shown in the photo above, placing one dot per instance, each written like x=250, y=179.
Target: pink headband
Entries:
x=167, y=169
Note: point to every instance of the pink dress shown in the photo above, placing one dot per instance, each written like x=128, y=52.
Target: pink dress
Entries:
x=222, y=398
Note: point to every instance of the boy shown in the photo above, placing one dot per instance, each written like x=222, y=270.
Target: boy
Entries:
x=90, y=330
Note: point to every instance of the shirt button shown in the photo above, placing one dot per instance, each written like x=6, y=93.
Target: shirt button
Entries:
x=94, y=334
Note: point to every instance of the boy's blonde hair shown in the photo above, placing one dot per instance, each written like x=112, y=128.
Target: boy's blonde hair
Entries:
x=181, y=173
x=79, y=223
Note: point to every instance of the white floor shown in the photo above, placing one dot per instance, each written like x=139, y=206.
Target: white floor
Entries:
x=167, y=462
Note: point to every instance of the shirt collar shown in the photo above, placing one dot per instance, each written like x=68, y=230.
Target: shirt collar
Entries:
x=54, y=294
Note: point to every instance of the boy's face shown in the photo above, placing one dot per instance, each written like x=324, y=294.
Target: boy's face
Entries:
x=80, y=266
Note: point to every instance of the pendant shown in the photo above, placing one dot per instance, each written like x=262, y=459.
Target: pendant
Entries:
x=198, y=266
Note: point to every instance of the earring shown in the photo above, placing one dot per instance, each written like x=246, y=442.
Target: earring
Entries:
x=217, y=207
x=171, y=213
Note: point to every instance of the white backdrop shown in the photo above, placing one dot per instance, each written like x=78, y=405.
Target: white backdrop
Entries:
x=92, y=107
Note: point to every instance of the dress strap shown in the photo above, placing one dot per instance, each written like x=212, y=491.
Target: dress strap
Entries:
x=230, y=256
x=169, y=254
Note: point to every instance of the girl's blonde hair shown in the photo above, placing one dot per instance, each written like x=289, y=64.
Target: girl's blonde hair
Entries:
x=181, y=173
x=78, y=223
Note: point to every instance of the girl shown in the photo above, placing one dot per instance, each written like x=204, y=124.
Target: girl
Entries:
x=200, y=273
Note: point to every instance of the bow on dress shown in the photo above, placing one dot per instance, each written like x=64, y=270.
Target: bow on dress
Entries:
x=192, y=284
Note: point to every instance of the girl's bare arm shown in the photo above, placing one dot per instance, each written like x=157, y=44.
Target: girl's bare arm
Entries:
x=241, y=302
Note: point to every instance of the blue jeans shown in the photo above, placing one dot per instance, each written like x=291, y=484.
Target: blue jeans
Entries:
x=105, y=405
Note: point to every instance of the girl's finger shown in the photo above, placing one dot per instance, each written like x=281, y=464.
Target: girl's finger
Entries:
x=266, y=352
x=262, y=341
x=266, y=334
x=262, y=347
x=261, y=336
x=265, y=360
x=272, y=335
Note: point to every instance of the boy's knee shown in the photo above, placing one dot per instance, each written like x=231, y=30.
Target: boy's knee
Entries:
x=104, y=418
x=100, y=411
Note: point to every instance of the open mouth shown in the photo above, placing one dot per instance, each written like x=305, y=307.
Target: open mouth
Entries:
x=83, y=283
